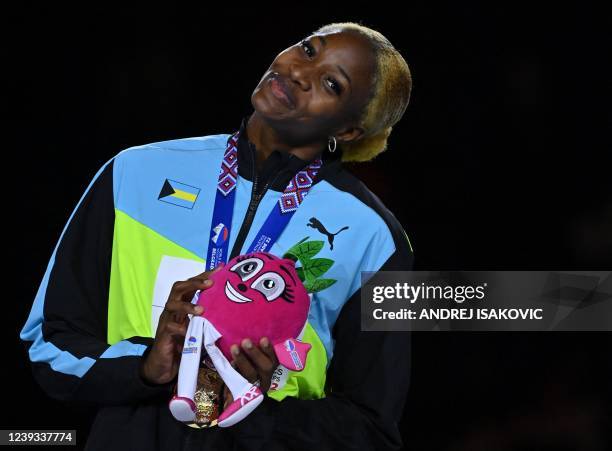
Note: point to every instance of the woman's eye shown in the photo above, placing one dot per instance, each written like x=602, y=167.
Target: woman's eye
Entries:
x=307, y=48
x=334, y=85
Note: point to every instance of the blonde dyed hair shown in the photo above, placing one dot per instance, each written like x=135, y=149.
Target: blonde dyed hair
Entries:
x=390, y=94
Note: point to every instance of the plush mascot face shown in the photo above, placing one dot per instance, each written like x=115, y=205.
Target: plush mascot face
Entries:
x=253, y=296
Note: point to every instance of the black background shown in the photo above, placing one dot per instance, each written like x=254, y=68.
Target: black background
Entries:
x=500, y=162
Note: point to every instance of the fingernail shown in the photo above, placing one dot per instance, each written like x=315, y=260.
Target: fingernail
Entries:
x=247, y=343
x=265, y=342
x=199, y=309
x=235, y=350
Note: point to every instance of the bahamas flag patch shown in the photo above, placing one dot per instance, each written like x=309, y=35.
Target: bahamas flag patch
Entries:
x=177, y=193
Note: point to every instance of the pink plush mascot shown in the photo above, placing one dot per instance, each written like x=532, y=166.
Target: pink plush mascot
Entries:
x=255, y=295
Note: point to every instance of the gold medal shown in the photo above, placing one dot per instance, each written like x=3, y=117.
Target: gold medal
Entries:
x=208, y=395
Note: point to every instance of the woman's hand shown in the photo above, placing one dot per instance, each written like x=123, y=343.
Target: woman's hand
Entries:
x=162, y=363
x=255, y=363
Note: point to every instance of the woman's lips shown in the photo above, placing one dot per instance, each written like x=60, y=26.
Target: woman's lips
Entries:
x=281, y=92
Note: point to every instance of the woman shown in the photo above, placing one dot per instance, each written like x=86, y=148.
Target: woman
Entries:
x=134, y=253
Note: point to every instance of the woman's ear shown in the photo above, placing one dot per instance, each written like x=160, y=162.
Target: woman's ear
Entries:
x=349, y=134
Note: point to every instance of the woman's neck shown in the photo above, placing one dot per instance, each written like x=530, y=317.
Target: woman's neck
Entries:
x=266, y=140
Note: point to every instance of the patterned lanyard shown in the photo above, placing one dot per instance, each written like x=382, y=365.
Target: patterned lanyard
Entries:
x=277, y=219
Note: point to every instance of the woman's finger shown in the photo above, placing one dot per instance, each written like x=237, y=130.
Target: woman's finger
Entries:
x=268, y=349
x=182, y=294
x=183, y=308
x=243, y=365
x=206, y=274
x=187, y=291
x=263, y=364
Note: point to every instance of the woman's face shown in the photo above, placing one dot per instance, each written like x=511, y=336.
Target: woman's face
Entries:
x=317, y=87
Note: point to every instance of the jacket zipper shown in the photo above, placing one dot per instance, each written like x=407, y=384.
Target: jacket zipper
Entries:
x=251, y=210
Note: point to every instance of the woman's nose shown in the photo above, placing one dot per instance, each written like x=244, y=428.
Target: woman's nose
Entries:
x=300, y=75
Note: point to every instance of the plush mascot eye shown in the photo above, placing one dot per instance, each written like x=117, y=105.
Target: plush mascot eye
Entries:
x=247, y=268
x=270, y=284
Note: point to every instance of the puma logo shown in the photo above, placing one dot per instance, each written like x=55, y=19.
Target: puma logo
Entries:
x=316, y=224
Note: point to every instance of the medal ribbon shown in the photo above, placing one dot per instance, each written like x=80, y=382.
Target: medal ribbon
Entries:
x=277, y=219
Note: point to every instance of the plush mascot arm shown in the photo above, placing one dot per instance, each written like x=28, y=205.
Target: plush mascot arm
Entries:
x=292, y=353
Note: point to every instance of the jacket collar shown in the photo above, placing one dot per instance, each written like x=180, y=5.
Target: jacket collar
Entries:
x=280, y=166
